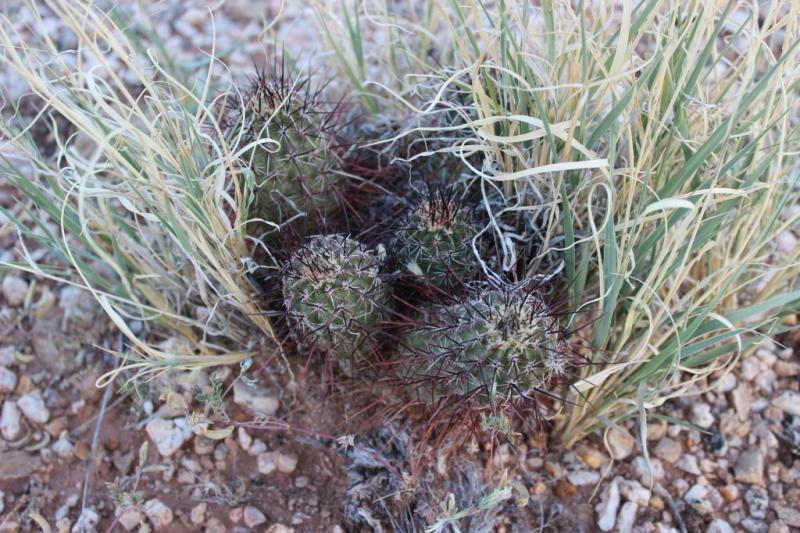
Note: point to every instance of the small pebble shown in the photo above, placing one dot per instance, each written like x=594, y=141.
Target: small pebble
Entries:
x=8, y=380
x=697, y=498
x=688, y=463
x=198, y=513
x=14, y=289
x=286, y=462
x=633, y=491
x=279, y=528
x=788, y=514
x=129, y=517
x=647, y=474
x=719, y=526
x=627, y=517
x=10, y=421
x=254, y=398
x=620, y=443
x=750, y=467
x=33, y=407
x=788, y=402
x=158, y=513
x=757, y=501
x=608, y=506
x=668, y=449
x=168, y=435
x=701, y=415
x=253, y=517
x=266, y=463
x=565, y=490
x=580, y=478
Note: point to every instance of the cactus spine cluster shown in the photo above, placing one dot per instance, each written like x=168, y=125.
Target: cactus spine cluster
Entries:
x=292, y=154
x=334, y=297
x=501, y=345
x=435, y=241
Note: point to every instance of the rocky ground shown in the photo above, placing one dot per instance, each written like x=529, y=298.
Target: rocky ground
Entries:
x=77, y=458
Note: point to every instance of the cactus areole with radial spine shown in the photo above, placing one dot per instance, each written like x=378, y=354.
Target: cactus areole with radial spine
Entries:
x=435, y=241
x=334, y=297
x=292, y=156
x=500, y=346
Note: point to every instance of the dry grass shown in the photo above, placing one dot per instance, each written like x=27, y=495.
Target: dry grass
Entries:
x=649, y=149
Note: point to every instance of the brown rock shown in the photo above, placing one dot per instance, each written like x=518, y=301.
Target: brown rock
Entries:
x=56, y=426
x=565, y=490
x=16, y=464
x=82, y=450
x=591, y=457
x=786, y=369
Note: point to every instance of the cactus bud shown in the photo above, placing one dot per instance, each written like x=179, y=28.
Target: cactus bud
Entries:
x=434, y=242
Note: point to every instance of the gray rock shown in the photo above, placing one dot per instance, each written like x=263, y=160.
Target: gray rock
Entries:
x=33, y=407
x=286, y=462
x=253, y=517
x=14, y=289
x=757, y=501
x=648, y=474
x=778, y=527
x=701, y=415
x=255, y=399
x=10, y=421
x=87, y=521
x=198, y=513
x=688, y=463
x=633, y=491
x=766, y=381
x=620, y=443
x=580, y=478
x=266, y=463
x=750, y=467
x=608, y=506
x=697, y=497
x=753, y=525
x=215, y=525
x=627, y=517
x=788, y=402
x=726, y=383
x=789, y=515
x=668, y=449
x=168, y=435
x=158, y=513
x=743, y=401
x=8, y=355
x=63, y=447
x=719, y=526
x=8, y=380
x=750, y=368
x=129, y=517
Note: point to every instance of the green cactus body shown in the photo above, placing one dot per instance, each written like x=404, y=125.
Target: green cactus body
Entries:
x=292, y=156
x=334, y=297
x=500, y=345
x=435, y=242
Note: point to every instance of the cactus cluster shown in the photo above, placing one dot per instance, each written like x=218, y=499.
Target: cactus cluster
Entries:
x=434, y=242
x=291, y=135
x=335, y=298
x=500, y=345
x=497, y=345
